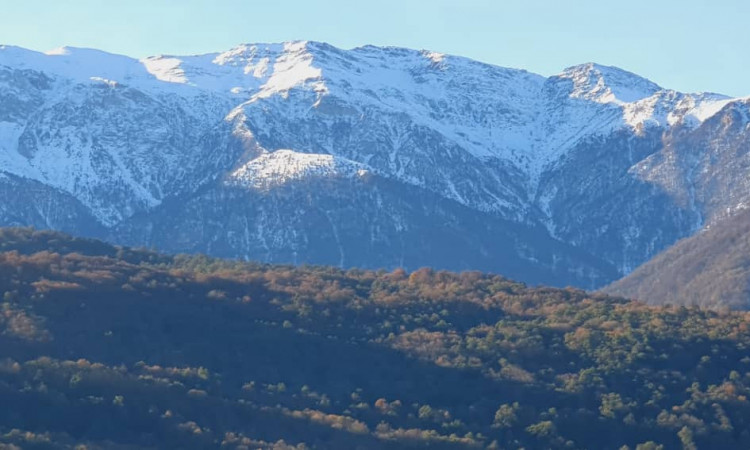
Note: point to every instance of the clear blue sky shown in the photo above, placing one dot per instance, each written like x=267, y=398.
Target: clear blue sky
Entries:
x=689, y=45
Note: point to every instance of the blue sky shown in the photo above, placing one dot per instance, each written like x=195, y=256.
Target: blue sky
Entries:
x=689, y=45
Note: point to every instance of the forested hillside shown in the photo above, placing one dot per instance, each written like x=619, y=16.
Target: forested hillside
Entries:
x=710, y=269
x=106, y=347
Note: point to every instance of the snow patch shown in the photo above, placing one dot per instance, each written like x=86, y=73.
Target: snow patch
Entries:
x=705, y=108
x=109, y=83
x=58, y=51
x=435, y=57
x=10, y=160
x=282, y=166
x=294, y=67
x=166, y=69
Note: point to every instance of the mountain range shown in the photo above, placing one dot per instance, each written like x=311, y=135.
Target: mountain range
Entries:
x=377, y=157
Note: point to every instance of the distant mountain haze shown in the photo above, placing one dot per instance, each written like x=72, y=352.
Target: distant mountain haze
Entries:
x=375, y=157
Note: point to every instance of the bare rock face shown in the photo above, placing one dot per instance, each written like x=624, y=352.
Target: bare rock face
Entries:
x=378, y=157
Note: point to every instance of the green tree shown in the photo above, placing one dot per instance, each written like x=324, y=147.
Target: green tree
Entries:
x=686, y=437
x=505, y=416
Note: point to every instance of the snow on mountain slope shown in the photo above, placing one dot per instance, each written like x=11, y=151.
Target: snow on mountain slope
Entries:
x=487, y=111
x=100, y=128
x=240, y=71
x=481, y=111
x=706, y=169
x=10, y=159
x=78, y=65
x=282, y=166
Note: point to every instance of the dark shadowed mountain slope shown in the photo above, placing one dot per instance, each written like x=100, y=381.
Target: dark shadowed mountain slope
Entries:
x=366, y=222
x=710, y=269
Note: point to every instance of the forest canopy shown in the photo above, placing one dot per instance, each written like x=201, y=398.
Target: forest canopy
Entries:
x=108, y=347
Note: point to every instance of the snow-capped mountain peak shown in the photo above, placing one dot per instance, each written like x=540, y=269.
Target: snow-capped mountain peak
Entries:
x=606, y=84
